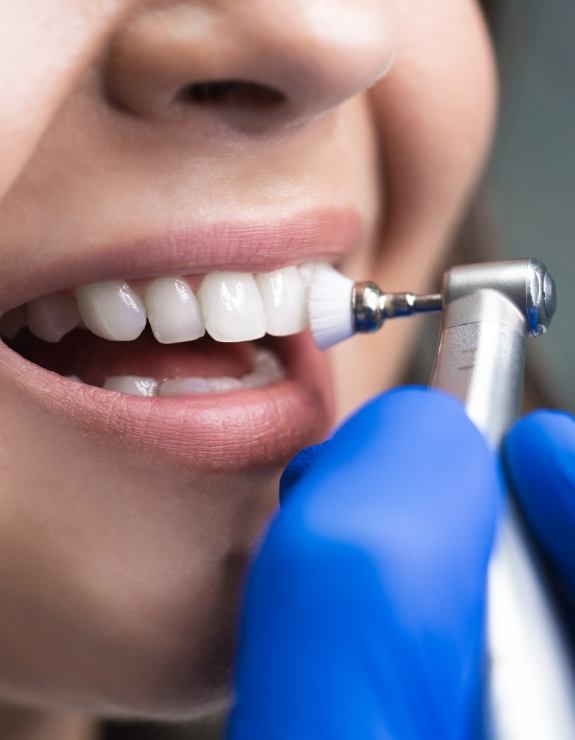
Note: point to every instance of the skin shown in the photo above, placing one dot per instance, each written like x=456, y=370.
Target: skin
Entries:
x=117, y=600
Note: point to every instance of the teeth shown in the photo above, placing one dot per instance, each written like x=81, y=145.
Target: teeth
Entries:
x=173, y=311
x=112, y=310
x=132, y=385
x=307, y=271
x=12, y=322
x=232, y=307
x=284, y=300
x=184, y=387
x=221, y=385
x=53, y=316
x=268, y=363
x=193, y=386
x=267, y=371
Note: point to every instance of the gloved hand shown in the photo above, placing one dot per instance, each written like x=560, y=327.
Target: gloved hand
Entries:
x=365, y=605
x=540, y=457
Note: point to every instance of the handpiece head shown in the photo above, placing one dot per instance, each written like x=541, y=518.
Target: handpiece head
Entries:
x=527, y=284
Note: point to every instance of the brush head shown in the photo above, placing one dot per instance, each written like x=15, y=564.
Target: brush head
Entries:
x=330, y=306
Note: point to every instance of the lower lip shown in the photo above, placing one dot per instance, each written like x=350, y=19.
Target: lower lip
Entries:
x=240, y=429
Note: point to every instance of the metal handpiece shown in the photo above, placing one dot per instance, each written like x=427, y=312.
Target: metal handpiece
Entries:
x=489, y=311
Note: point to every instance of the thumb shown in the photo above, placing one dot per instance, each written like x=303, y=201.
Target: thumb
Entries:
x=298, y=467
x=540, y=457
x=364, y=609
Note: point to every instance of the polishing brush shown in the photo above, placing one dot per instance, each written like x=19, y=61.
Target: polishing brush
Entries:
x=340, y=307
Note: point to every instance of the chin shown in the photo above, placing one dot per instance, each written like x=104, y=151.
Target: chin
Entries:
x=140, y=621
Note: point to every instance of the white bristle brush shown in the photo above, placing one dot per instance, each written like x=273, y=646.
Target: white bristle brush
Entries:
x=330, y=300
x=339, y=308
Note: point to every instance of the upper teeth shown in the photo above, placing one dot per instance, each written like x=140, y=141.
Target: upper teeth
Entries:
x=231, y=306
x=173, y=311
x=112, y=310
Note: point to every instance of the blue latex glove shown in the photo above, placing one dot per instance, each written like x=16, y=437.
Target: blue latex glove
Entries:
x=540, y=458
x=364, y=608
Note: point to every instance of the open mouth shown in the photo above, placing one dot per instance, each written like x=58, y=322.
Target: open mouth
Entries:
x=189, y=346
x=169, y=336
x=216, y=368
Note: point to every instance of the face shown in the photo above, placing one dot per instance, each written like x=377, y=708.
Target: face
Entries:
x=160, y=159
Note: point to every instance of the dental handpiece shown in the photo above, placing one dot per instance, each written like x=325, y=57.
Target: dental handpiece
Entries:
x=489, y=310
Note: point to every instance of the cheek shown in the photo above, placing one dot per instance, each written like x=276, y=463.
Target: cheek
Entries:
x=48, y=55
x=435, y=114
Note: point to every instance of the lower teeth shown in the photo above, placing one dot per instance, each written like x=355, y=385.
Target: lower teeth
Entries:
x=133, y=385
x=267, y=371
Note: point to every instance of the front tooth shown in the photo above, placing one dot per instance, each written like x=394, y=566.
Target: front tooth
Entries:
x=173, y=311
x=284, y=301
x=12, y=322
x=112, y=310
x=307, y=271
x=53, y=316
x=232, y=307
x=133, y=385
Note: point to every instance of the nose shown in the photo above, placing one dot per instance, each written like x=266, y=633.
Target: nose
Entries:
x=253, y=63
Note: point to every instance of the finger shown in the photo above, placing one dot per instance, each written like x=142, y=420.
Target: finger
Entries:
x=298, y=467
x=540, y=457
x=364, y=609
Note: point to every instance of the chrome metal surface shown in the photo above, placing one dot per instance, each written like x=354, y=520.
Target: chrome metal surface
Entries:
x=428, y=303
x=366, y=307
x=482, y=364
x=489, y=310
x=527, y=284
x=394, y=305
x=541, y=298
x=371, y=307
x=398, y=304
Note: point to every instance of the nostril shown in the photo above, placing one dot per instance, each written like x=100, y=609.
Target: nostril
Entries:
x=231, y=93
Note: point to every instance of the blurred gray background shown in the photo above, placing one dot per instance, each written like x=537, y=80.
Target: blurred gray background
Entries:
x=530, y=187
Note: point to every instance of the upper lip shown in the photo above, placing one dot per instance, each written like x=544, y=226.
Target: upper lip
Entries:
x=246, y=246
